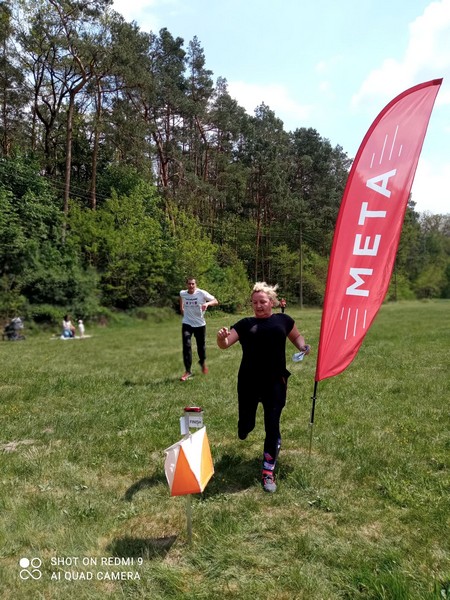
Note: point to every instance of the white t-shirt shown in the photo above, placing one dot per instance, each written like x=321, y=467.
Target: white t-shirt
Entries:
x=67, y=325
x=192, y=305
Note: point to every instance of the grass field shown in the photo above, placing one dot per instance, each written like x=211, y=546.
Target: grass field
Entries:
x=84, y=425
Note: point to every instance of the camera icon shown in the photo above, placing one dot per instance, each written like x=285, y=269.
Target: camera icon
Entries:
x=30, y=568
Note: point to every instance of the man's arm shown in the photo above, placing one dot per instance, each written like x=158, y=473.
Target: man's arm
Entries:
x=212, y=302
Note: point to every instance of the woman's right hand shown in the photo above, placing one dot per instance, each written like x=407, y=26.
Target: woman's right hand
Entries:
x=223, y=333
x=226, y=337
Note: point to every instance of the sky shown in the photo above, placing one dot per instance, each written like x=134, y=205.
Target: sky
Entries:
x=332, y=66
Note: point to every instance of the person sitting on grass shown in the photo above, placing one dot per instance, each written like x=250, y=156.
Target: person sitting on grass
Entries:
x=68, y=327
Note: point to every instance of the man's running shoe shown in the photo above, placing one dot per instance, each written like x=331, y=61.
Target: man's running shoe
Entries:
x=268, y=483
x=204, y=369
x=186, y=376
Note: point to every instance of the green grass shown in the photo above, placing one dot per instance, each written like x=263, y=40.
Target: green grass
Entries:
x=84, y=425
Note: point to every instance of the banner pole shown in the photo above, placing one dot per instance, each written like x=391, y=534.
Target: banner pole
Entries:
x=311, y=420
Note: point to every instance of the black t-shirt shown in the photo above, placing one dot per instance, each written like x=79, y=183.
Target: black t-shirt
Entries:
x=263, y=342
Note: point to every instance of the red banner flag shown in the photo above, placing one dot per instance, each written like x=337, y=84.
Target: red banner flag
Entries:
x=369, y=224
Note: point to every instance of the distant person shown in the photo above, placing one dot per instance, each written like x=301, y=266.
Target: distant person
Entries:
x=283, y=304
x=67, y=327
x=193, y=305
x=81, y=327
x=12, y=330
x=262, y=374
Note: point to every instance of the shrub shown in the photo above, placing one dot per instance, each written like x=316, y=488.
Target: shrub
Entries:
x=45, y=314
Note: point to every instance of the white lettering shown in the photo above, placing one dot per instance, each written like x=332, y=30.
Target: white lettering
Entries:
x=118, y=575
x=366, y=251
x=368, y=245
x=78, y=575
x=352, y=289
x=369, y=213
x=68, y=561
x=381, y=189
x=117, y=561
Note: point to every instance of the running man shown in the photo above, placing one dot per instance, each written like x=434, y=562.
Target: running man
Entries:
x=193, y=305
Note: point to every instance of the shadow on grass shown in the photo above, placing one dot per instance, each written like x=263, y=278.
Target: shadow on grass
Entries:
x=147, y=548
x=232, y=474
x=142, y=484
x=141, y=547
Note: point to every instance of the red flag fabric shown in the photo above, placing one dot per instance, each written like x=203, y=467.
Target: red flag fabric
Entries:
x=369, y=224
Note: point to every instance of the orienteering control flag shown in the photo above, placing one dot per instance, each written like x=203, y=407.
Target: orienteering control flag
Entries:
x=188, y=465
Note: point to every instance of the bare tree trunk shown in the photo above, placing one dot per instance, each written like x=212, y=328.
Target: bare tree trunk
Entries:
x=94, y=162
x=69, y=134
x=258, y=237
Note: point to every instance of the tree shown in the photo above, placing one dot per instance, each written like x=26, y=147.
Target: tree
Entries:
x=265, y=153
x=122, y=68
x=164, y=107
x=125, y=240
x=199, y=89
x=227, y=174
x=410, y=258
x=13, y=88
x=195, y=255
x=130, y=124
x=61, y=47
x=34, y=265
x=432, y=280
x=317, y=177
x=77, y=23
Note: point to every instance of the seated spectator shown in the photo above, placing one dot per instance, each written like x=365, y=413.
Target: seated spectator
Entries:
x=68, y=327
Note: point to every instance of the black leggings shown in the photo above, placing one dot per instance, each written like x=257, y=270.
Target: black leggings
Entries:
x=200, y=338
x=273, y=399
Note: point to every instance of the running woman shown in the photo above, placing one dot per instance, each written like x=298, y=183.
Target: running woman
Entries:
x=262, y=374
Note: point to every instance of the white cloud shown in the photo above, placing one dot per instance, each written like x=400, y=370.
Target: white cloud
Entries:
x=141, y=11
x=325, y=87
x=321, y=66
x=124, y=6
x=430, y=190
x=429, y=43
x=330, y=64
x=275, y=96
x=427, y=56
x=326, y=69
x=144, y=12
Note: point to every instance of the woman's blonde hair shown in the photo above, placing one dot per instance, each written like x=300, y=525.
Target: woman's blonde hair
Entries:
x=270, y=290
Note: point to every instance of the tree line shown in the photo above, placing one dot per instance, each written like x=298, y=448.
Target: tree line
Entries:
x=124, y=168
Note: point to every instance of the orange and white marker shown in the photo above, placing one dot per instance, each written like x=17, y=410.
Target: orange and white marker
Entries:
x=188, y=465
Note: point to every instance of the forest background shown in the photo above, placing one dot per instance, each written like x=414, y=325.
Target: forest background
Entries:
x=125, y=168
